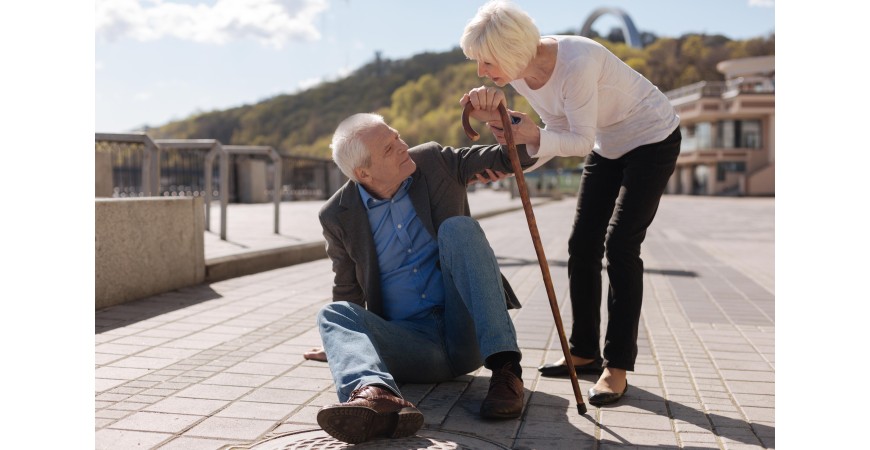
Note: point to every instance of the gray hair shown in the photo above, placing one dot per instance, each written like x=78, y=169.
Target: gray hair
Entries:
x=348, y=149
x=502, y=33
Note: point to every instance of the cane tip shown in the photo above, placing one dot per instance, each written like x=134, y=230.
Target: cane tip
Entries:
x=581, y=408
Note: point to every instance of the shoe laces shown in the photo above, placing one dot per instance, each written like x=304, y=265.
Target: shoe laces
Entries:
x=504, y=377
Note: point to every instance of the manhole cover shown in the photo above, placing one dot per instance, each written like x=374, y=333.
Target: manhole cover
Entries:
x=318, y=439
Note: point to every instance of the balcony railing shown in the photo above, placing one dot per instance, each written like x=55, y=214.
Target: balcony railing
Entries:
x=698, y=90
x=723, y=89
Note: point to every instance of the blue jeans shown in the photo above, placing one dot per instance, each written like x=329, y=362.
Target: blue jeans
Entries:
x=363, y=348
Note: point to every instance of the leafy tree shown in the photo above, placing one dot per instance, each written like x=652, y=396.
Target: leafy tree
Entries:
x=420, y=96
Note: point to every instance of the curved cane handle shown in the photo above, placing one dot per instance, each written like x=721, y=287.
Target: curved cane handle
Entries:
x=505, y=122
x=473, y=135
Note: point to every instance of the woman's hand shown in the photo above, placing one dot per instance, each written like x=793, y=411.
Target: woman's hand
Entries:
x=485, y=101
x=524, y=132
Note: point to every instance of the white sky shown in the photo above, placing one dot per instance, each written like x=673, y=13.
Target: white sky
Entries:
x=159, y=60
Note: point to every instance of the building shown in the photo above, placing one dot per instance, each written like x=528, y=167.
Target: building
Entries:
x=728, y=131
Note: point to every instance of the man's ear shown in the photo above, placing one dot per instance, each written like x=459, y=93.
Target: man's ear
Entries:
x=361, y=173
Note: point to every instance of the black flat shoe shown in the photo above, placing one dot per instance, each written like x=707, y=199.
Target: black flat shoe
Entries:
x=560, y=370
x=605, y=398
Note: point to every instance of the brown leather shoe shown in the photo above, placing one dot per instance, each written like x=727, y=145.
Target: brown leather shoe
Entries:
x=371, y=412
x=505, y=397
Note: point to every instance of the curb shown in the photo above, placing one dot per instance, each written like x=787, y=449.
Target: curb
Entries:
x=226, y=267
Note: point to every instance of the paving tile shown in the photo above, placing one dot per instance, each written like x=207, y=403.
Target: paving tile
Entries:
x=284, y=396
x=155, y=421
x=125, y=389
x=634, y=436
x=258, y=368
x=615, y=418
x=181, y=405
x=235, y=379
x=111, y=414
x=187, y=443
x=129, y=406
x=301, y=384
x=109, y=439
x=113, y=348
x=257, y=410
x=106, y=358
x=111, y=397
x=231, y=428
x=105, y=384
x=214, y=392
x=120, y=373
x=556, y=444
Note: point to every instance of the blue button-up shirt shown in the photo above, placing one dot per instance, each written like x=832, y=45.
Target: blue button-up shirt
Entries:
x=411, y=282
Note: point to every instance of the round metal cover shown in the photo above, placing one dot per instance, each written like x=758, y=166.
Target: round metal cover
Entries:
x=319, y=439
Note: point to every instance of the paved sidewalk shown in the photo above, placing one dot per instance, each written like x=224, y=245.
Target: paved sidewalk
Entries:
x=219, y=365
x=251, y=227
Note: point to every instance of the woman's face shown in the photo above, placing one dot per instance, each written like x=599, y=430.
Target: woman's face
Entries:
x=492, y=71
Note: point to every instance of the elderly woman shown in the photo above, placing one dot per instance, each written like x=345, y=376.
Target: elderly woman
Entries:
x=592, y=105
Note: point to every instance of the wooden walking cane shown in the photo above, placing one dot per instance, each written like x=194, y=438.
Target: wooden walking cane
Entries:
x=536, y=237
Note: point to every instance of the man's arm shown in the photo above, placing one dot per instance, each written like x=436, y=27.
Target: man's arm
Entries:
x=345, y=285
x=468, y=162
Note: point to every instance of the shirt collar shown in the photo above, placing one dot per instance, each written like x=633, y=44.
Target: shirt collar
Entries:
x=371, y=202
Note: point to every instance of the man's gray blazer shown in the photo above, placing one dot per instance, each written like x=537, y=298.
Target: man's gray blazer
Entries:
x=438, y=192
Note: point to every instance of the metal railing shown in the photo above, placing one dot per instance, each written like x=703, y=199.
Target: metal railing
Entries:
x=250, y=150
x=131, y=144
x=212, y=148
x=188, y=169
x=698, y=90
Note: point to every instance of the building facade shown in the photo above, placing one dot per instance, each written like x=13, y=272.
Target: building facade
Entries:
x=728, y=131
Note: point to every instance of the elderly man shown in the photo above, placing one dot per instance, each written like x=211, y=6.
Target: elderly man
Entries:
x=418, y=296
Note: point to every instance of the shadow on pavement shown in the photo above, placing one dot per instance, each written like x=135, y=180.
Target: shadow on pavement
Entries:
x=107, y=319
x=543, y=408
x=509, y=261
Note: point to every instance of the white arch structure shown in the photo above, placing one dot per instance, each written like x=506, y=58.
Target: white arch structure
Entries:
x=632, y=37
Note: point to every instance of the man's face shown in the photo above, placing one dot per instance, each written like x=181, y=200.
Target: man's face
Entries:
x=391, y=163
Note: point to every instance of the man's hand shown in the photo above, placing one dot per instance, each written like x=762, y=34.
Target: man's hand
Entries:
x=491, y=177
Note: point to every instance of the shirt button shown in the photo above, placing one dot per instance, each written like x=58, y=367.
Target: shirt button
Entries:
x=415, y=270
x=424, y=296
x=409, y=250
x=400, y=226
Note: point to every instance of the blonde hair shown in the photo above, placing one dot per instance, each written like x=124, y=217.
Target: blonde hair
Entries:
x=348, y=149
x=501, y=33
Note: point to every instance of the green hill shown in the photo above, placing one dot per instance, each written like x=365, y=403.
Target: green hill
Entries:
x=420, y=95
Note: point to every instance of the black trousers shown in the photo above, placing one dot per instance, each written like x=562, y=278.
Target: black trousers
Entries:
x=617, y=202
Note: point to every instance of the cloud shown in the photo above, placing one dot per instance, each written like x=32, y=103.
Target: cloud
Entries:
x=271, y=22
x=761, y=3
x=309, y=83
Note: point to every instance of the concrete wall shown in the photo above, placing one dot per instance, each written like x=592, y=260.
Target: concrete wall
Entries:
x=103, y=174
x=763, y=182
x=251, y=180
x=146, y=246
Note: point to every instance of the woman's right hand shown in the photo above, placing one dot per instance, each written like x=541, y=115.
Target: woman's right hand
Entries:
x=485, y=101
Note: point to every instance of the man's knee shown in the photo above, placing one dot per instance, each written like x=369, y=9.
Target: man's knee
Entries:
x=459, y=226
x=336, y=312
